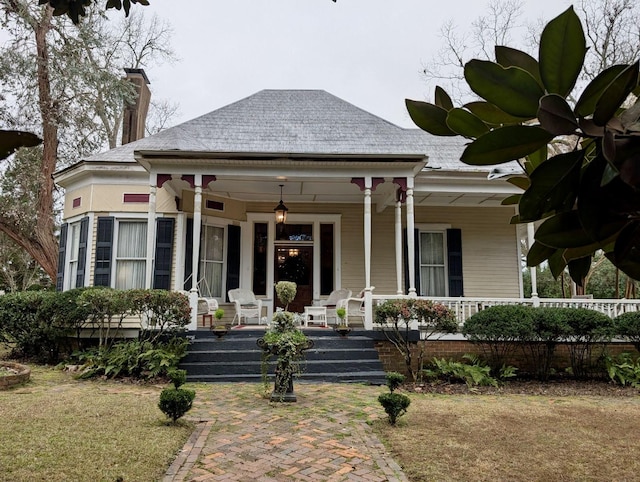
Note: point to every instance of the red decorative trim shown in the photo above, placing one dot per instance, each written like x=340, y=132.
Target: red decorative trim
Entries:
x=190, y=178
x=136, y=198
x=401, y=195
x=76, y=202
x=162, y=178
x=207, y=179
x=358, y=181
x=401, y=181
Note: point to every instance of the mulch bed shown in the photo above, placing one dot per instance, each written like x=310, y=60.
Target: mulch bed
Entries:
x=555, y=388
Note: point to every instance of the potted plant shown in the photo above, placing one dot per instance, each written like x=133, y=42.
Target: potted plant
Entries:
x=218, y=328
x=342, y=326
x=286, y=342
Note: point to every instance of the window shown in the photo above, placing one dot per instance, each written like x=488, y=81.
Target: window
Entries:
x=74, y=243
x=131, y=253
x=211, y=272
x=433, y=269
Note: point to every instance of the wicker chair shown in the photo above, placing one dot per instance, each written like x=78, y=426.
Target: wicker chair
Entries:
x=246, y=304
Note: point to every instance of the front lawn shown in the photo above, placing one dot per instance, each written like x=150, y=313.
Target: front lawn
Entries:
x=517, y=438
x=58, y=429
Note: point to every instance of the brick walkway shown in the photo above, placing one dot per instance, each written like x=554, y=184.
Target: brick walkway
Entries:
x=324, y=436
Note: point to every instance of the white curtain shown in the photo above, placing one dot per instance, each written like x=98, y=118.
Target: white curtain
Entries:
x=212, y=262
x=432, y=268
x=73, y=255
x=131, y=255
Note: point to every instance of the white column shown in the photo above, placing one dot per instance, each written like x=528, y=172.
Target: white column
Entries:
x=399, y=289
x=151, y=231
x=367, y=232
x=368, y=302
x=195, y=263
x=533, y=270
x=411, y=248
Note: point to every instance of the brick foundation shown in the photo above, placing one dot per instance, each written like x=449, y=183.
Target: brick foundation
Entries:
x=392, y=360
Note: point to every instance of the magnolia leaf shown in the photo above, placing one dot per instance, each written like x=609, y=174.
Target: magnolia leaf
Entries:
x=579, y=269
x=626, y=254
x=587, y=102
x=556, y=116
x=554, y=186
x=511, y=200
x=521, y=182
x=429, y=117
x=536, y=158
x=561, y=53
x=615, y=94
x=491, y=114
x=512, y=89
x=539, y=253
x=557, y=263
x=589, y=128
x=11, y=141
x=563, y=231
x=442, y=99
x=465, y=123
x=505, y=144
x=510, y=57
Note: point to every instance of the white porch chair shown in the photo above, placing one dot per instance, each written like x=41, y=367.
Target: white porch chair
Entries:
x=331, y=303
x=354, y=307
x=246, y=304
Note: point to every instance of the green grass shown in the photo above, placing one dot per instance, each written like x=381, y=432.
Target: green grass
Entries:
x=58, y=429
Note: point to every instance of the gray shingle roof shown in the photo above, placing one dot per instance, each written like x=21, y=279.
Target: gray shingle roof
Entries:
x=296, y=122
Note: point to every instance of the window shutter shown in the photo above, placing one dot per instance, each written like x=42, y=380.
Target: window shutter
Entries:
x=82, y=252
x=164, y=253
x=188, y=256
x=454, y=258
x=62, y=252
x=104, y=247
x=416, y=259
x=233, y=257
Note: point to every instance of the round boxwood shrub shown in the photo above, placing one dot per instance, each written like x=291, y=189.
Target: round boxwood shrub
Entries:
x=627, y=327
x=176, y=401
x=589, y=332
x=498, y=328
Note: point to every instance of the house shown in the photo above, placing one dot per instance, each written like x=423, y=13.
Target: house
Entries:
x=192, y=207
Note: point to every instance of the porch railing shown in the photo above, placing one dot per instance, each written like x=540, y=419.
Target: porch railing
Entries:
x=465, y=307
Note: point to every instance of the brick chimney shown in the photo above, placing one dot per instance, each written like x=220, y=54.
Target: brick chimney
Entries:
x=135, y=113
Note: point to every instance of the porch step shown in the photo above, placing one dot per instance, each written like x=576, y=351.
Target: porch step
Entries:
x=236, y=358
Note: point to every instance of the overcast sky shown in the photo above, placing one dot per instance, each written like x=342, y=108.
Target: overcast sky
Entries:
x=368, y=52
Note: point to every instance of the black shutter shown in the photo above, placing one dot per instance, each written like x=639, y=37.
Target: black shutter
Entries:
x=416, y=259
x=104, y=248
x=233, y=257
x=188, y=256
x=454, y=257
x=82, y=252
x=62, y=252
x=164, y=253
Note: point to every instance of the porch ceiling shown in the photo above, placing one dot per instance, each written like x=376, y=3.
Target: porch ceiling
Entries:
x=332, y=191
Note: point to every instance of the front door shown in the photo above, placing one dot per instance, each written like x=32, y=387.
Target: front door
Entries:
x=295, y=263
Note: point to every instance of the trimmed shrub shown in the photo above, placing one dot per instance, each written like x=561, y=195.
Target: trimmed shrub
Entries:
x=30, y=330
x=497, y=330
x=550, y=327
x=175, y=402
x=395, y=404
x=589, y=333
x=627, y=327
x=394, y=380
x=166, y=312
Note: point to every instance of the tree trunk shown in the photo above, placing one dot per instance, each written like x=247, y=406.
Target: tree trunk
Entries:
x=41, y=243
